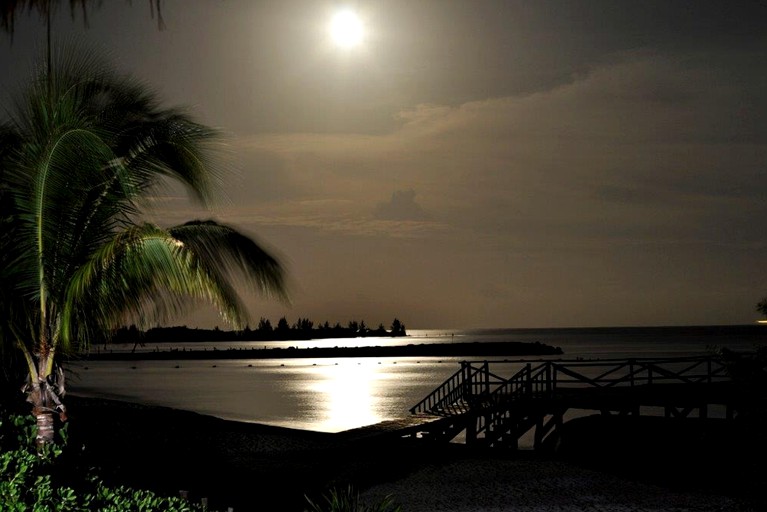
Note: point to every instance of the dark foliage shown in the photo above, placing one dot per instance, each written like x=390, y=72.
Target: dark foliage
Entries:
x=303, y=329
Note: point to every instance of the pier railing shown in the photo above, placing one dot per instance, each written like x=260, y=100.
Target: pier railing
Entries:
x=498, y=411
x=474, y=386
x=456, y=394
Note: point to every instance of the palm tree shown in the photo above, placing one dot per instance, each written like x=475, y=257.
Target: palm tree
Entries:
x=81, y=150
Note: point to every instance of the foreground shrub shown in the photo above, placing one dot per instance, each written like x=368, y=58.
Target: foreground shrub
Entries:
x=348, y=500
x=36, y=480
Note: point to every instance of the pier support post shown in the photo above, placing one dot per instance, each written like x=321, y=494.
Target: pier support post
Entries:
x=471, y=430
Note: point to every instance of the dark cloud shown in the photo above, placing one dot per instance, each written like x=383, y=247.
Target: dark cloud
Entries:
x=401, y=206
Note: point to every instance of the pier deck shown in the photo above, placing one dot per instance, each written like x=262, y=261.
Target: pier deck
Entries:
x=493, y=410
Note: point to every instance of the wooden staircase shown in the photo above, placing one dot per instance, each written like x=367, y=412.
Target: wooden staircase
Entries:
x=496, y=411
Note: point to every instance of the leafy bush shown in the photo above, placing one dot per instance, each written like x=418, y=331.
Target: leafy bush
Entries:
x=31, y=480
x=348, y=500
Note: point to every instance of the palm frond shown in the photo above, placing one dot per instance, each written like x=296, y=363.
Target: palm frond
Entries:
x=143, y=272
x=57, y=207
x=171, y=146
x=224, y=249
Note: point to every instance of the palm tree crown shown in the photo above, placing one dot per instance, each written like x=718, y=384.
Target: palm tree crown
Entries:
x=81, y=148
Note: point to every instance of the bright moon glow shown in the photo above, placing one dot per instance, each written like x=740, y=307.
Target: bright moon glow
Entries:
x=346, y=394
x=346, y=29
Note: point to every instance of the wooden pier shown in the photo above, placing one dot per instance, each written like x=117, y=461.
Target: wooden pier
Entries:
x=495, y=411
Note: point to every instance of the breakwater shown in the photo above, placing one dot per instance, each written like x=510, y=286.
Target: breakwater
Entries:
x=471, y=349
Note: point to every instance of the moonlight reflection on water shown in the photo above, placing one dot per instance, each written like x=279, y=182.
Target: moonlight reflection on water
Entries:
x=327, y=395
x=336, y=394
x=348, y=391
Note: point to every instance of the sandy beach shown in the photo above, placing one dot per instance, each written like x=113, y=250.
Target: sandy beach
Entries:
x=253, y=467
x=509, y=485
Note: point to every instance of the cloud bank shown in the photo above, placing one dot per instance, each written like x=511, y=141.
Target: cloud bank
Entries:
x=634, y=189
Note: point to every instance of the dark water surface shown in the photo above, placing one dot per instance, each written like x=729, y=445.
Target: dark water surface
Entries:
x=336, y=394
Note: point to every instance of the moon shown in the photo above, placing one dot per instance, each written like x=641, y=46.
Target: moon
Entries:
x=346, y=29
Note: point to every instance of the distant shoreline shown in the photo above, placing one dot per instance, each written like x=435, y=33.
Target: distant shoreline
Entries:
x=508, y=348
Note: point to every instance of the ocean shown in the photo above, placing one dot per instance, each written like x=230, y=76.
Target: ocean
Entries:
x=337, y=394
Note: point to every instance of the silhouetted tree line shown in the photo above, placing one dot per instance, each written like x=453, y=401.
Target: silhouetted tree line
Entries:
x=302, y=329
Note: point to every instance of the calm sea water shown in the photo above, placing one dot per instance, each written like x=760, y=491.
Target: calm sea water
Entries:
x=336, y=394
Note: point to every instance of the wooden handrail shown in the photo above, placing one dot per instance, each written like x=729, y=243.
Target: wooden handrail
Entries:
x=474, y=385
x=436, y=396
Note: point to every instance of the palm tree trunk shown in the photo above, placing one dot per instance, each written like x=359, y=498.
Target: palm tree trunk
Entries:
x=51, y=392
x=45, y=431
x=43, y=395
x=43, y=413
x=48, y=47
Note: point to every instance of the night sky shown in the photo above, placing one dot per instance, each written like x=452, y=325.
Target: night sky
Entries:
x=472, y=163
